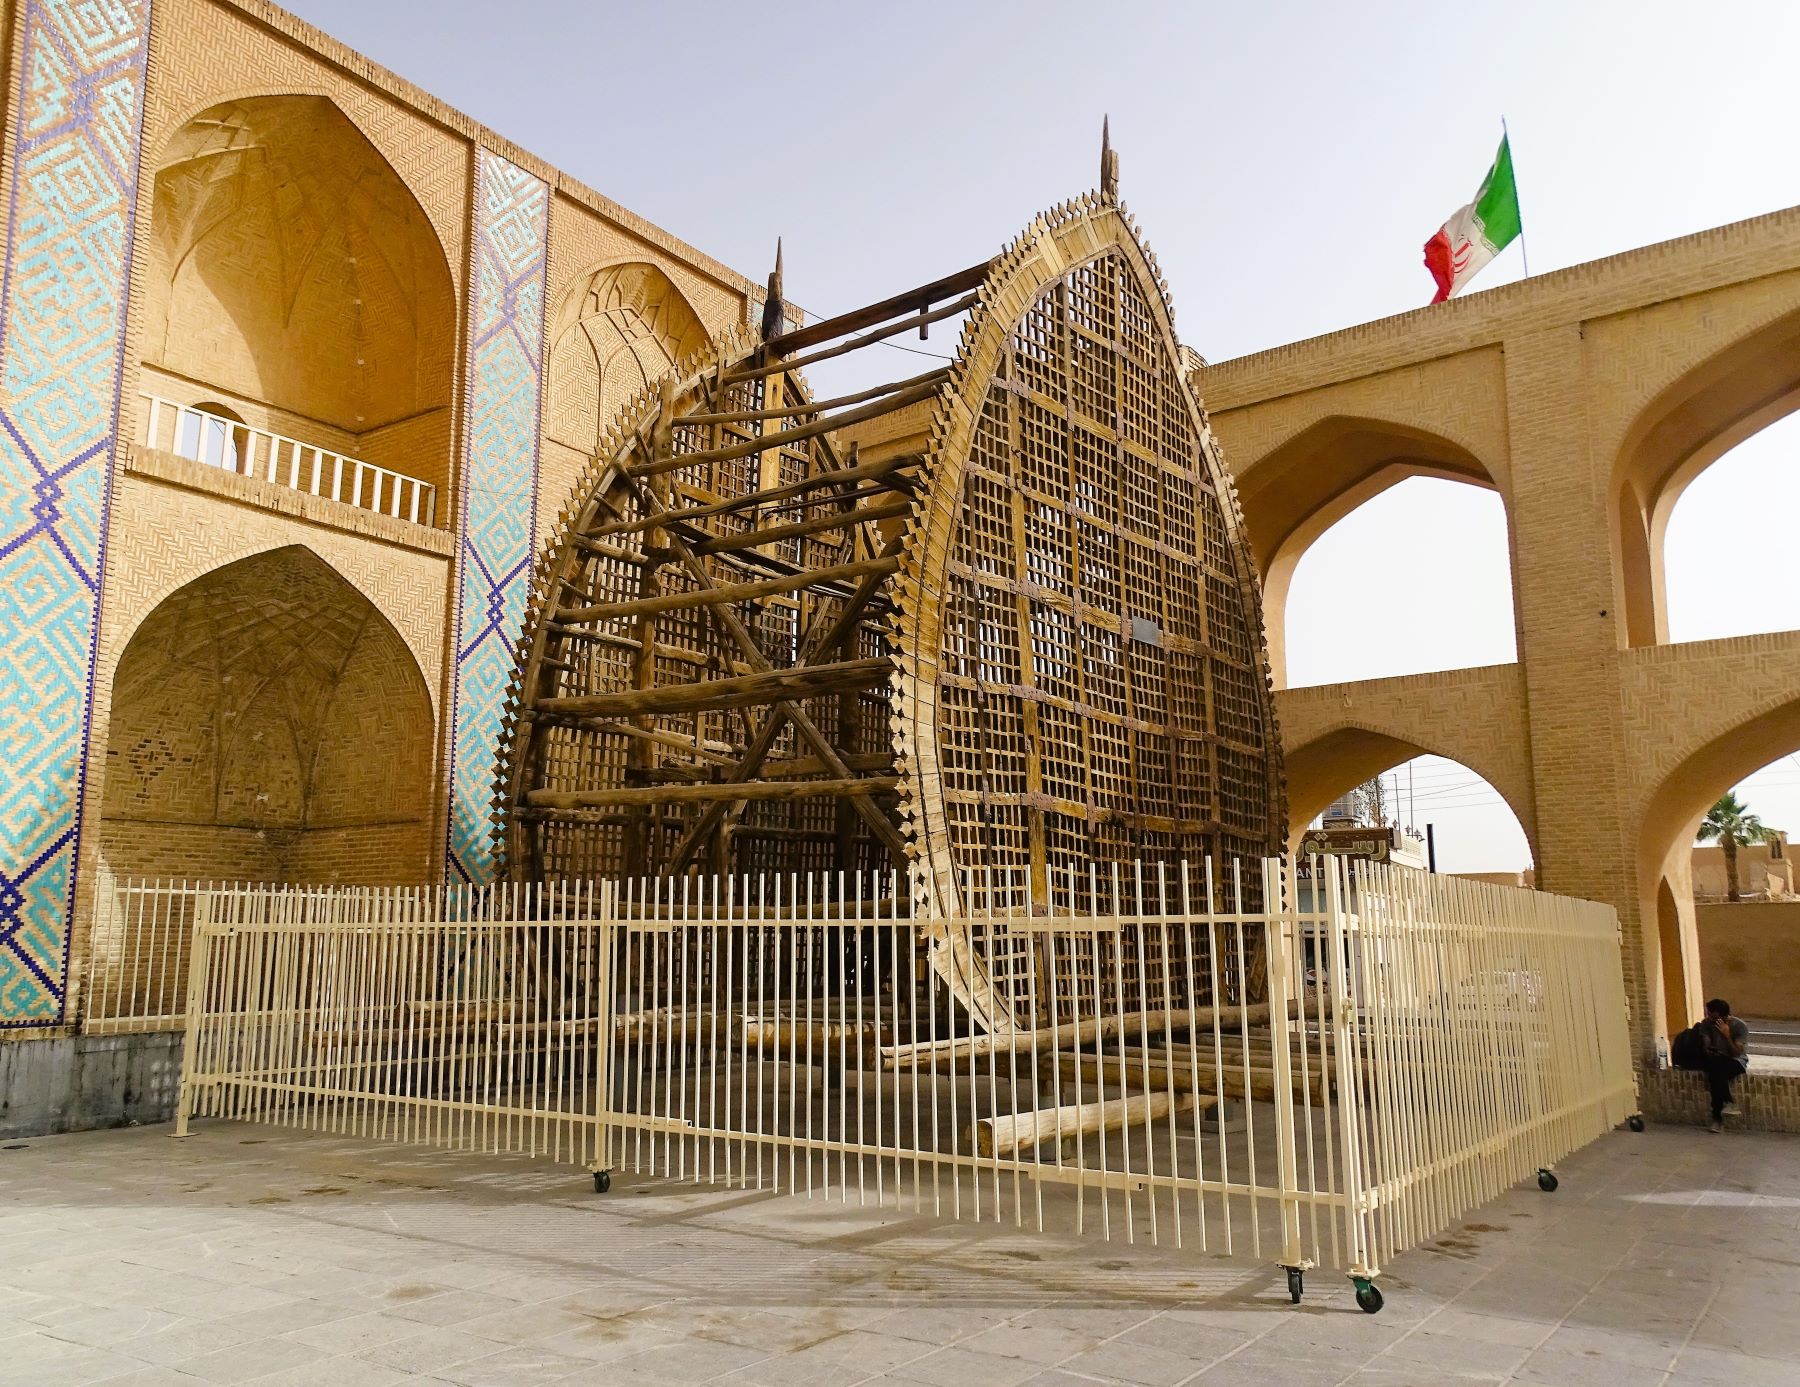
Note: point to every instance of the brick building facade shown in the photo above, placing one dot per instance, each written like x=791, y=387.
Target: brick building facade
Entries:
x=297, y=366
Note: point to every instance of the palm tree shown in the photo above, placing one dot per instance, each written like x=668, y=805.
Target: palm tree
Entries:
x=1732, y=823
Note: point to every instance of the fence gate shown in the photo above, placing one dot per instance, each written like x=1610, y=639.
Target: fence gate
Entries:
x=1287, y=1060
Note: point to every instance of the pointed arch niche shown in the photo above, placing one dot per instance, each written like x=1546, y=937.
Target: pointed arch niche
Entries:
x=1373, y=494
x=616, y=329
x=269, y=724
x=295, y=281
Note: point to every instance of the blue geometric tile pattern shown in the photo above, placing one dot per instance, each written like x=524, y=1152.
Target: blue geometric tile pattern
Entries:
x=62, y=326
x=499, y=488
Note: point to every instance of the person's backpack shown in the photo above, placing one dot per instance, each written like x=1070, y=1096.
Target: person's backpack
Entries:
x=1688, y=1050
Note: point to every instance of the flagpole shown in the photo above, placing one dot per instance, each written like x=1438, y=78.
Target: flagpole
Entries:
x=1524, y=255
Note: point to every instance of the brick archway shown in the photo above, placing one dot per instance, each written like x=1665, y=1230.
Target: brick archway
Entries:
x=293, y=277
x=1295, y=492
x=268, y=723
x=1731, y=393
x=1348, y=755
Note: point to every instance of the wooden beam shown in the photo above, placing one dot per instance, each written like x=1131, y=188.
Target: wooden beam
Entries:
x=1172, y=1070
x=819, y=481
x=706, y=794
x=837, y=520
x=735, y=592
x=674, y=462
x=913, y=301
x=1026, y=1131
x=787, y=768
x=752, y=416
x=727, y=621
x=610, y=551
x=1051, y=1038
x=797, y=363
x=714, y=753
x=775, y=685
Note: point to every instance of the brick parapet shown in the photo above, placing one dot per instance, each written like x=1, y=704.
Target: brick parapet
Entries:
x=1724, y=255
x=364, y=69
x=283, y=500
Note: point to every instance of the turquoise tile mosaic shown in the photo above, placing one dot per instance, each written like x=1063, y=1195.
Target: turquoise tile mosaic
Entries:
x=499, y=488
x=78, y=109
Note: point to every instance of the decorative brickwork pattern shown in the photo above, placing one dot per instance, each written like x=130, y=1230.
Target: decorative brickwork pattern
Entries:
x=265, y=722
x=498, y=488
x=77, y=113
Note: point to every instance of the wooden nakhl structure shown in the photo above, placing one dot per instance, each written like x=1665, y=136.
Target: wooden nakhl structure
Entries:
x=997, y=617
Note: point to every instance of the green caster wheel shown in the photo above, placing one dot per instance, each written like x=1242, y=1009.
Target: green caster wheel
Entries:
x=1547, y=1182
x=1368, y=1296
x=1296, y=1284
x=602, y=1181
x=1635, y=1122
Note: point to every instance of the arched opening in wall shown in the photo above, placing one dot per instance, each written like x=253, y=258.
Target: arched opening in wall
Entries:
x=1728, y=550
x=269, y=724
x=616, y=329
x=1383, y=551
x=1698, y=941
x=1443, y=812
x=1701, y=494
x=1416, y=579
x=300, y=318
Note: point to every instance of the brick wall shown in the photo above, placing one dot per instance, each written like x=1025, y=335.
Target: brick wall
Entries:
x=1587, y=397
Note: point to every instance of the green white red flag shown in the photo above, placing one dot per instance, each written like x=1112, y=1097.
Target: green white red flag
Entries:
x=1478, y=232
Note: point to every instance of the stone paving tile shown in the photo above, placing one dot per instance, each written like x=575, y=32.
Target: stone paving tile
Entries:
x=1135, y=1363
x=287, y=1259
x=251, y=1359
x=424, y=1354
x=956, y=1366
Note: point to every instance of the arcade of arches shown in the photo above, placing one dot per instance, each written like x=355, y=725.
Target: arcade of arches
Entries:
x=1587, y=399
x=1578, y=398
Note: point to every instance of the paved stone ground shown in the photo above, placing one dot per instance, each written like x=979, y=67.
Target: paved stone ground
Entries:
x=255, y=1254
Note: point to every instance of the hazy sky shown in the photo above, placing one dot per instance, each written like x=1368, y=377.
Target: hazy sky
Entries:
x=1286, y=161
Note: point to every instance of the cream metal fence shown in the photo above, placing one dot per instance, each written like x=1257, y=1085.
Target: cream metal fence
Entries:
x=136, y=975
x=1326, y=1083
x=230, y=444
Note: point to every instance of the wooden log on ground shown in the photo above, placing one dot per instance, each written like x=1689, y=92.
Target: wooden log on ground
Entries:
x=1178, y=1075
x=825, y=1041
x=1026, y=1131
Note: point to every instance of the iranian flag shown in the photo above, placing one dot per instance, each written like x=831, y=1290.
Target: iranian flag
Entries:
x=1478, y=232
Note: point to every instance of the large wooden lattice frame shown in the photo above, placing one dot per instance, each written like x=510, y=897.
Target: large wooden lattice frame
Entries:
x=1029, y=640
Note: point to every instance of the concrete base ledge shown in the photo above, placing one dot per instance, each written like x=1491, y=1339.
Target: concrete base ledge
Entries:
x=74, y=1083
x=1771, y=1102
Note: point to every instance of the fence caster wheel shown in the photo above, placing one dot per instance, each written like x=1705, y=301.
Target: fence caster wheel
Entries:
x=1635, y=1122
x=1296, y=1284
x=602, y=1181
x=1547, y=1182
x=1368, y=1296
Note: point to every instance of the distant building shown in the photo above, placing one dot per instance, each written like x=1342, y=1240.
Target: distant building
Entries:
x=1365, y=842
x=1765, y=871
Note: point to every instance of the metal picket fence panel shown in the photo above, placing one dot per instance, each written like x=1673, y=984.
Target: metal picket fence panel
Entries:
x=1316, y=1062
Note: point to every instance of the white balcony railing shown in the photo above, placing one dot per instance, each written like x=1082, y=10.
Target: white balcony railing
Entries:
x=219, y=442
